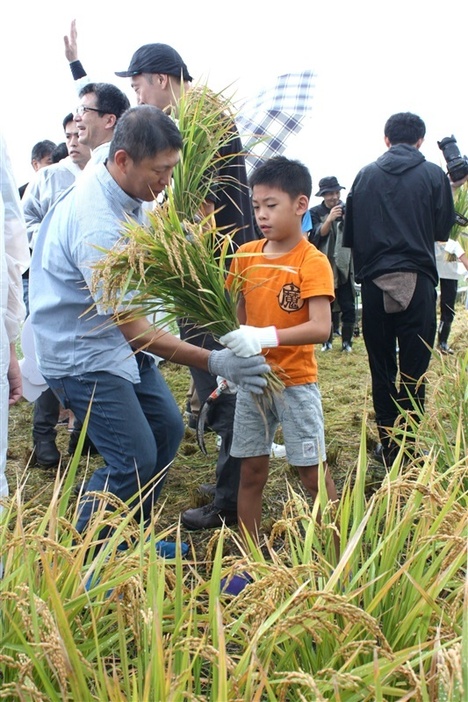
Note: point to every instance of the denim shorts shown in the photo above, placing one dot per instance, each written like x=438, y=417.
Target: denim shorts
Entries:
x=298, y=409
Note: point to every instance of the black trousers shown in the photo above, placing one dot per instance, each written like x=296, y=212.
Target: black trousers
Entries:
x=413, y=330
x=220, y=419
x=345, y=298
x=448, y=296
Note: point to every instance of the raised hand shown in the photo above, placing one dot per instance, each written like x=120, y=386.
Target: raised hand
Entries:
x=71, y=46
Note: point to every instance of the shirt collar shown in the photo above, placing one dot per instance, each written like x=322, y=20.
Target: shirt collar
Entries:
x=131, y=205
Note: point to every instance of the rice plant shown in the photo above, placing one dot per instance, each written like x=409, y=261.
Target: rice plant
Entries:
x=389, y=622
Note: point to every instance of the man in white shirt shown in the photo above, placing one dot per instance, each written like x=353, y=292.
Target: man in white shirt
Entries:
x=50, y=182
x=41, y=194
x=14, y=260
x=100, y=108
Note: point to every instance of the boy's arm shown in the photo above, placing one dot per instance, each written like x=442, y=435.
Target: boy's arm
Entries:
x=315, y=331
x=241, y=313
x=248, y=341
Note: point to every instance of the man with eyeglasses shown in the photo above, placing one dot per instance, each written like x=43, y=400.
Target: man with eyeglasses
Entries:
x=101, y=106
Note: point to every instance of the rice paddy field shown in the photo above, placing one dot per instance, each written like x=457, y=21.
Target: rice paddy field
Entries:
x=345, y=386
x=387, y=622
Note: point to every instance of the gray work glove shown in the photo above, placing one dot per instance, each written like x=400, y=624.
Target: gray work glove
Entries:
x=245, y=372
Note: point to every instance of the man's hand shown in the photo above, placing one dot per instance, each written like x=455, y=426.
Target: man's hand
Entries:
x=14, y=378
x=245, y=372
x=457, y=183
x=249, y=341
x=335, y=213
x=71, y=46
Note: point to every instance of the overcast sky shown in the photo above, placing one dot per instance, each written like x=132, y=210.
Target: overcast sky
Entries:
x=371, y=59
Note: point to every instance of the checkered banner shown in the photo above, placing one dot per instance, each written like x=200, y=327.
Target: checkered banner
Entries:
x=266, y=121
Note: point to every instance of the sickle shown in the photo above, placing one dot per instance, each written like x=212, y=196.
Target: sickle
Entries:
x=203, y=414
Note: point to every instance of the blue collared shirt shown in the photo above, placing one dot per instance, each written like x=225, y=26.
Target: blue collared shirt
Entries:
x=70, y=338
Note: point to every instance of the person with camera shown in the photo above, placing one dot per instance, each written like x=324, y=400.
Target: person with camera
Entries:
x=449, y=269
x=327, y=235
x=449, y=275
x=398, y=207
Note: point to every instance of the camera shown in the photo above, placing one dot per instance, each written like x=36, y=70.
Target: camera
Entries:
x=340, y=219
x=457, y=165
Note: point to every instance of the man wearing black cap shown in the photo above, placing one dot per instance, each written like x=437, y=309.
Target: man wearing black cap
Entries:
x=327, y=236
x=157, y=73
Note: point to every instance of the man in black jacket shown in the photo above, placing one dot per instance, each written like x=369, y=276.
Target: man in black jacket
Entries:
x=397, y=208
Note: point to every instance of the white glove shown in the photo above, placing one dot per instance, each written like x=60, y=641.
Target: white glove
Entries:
x=454, y=247
x=249, y=341
x=246, y=372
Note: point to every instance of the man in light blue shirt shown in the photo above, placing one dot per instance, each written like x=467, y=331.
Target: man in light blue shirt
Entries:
x=89, y=360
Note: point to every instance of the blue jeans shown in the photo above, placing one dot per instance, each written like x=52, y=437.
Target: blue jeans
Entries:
x=137, y=430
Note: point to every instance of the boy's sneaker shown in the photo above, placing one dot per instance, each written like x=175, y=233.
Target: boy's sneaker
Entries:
x=326, y=346
x=234, y=586
x=168, y=549
x=346, y=346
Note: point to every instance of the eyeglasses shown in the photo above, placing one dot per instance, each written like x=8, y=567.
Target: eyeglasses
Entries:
x=81, y=109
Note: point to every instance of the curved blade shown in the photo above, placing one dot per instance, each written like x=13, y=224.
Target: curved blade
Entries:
x=203, y=414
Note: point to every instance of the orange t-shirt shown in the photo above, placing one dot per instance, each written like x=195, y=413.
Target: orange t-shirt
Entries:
x=278, y=297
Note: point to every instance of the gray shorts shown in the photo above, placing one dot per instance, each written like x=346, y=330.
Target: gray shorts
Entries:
x=299, y=411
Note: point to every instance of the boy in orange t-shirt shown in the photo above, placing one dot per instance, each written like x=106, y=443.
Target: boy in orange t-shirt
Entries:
x=284, y=306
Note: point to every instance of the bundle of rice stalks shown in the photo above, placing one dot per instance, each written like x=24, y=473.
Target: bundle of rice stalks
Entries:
x=206, y=122
x=176, y=262
x=174, y=268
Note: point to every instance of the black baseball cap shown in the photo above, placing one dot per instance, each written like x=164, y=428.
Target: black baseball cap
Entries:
x=156, y=58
